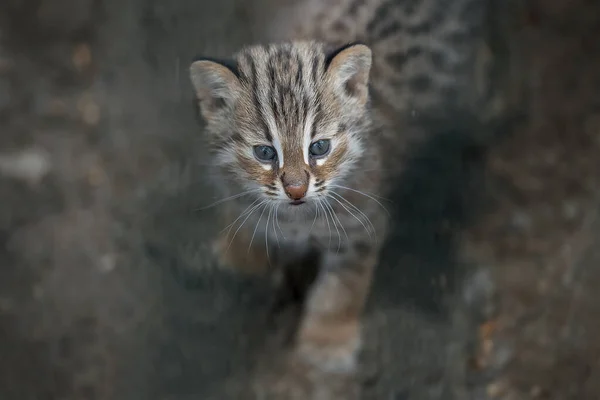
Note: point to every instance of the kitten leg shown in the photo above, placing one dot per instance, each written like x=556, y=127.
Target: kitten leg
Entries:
x=329, y=335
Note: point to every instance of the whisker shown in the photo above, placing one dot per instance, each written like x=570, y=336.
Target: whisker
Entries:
x=360, y=212
x=267, y=232
x=328, y=208
x=240, y=216
x=314, y=220
x=326, y=220
x=275, y=219
x=235, y=196
x=366, y=195
x=243, y=222
x=370, y=195
x=351, y=213
x=256, y=227
x=341, y=225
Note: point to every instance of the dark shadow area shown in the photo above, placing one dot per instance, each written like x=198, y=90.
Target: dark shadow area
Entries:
x=432, y=202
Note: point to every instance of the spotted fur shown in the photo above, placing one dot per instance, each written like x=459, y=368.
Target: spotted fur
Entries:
x=426, y=52
x=283, y=96
x=288, y=96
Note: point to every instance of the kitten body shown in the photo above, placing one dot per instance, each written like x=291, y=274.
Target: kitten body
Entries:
x=284, y=99
x=307, y=136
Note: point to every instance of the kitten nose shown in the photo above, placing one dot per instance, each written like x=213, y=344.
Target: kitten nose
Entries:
x=295, y=191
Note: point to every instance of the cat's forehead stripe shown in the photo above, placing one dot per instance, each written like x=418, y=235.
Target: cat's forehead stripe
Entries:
x=284, y=79
x=253, y=78
x=285, y=83
x=307, y=135
x=275, y=139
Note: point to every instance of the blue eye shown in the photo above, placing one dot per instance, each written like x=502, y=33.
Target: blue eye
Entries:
x=319, y=148
x=265, y=153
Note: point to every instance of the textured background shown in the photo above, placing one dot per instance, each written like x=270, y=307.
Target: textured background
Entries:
x=107, y=290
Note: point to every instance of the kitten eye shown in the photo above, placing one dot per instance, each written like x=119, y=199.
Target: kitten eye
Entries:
x=264, y=153
x=319, y=148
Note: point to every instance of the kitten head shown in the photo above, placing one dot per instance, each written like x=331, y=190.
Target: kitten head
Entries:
x=286, y=119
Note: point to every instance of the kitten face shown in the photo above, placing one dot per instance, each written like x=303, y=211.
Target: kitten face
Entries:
x=287, y=119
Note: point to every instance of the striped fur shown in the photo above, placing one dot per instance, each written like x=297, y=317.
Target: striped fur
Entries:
x=425, y=51
x=286, y=97
x=292, y=94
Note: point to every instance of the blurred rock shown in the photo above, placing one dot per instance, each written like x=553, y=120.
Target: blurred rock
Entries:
x=65, y=16
x=478, y=292
x=5, y=63
x=5, y=96
x=82, y=57
x=30, y=165
x=88, y=109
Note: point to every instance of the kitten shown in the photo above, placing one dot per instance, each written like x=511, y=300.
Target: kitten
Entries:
x=289, y=125
x=300, y=161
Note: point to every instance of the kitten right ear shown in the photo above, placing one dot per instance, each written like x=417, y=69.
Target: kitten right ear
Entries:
x=349, y=68
x=216, y=85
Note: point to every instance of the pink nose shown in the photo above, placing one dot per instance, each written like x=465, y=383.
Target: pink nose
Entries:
x=295, y=192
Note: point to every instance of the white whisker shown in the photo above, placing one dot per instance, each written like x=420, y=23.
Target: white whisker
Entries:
x=326, y=220
x=368, y=194
x=235, y=196
x=243, y=222
x=370, y=224
x=267, y=232
x=328, y=208
x=314, y=220
x=240, y=216
x=256, y=227
x=337, y=217
x=275, y=220
x=364, y=194
x=340, y=222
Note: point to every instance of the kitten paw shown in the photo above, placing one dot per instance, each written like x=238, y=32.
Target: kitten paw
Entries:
x=332, y=349
x=298, y=380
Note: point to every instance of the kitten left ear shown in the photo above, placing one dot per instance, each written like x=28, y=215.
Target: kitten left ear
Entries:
x=349, y=69
x=216, y=85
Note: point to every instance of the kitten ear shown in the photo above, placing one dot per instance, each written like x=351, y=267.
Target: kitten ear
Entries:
x=216, y=85
x=349, y=69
